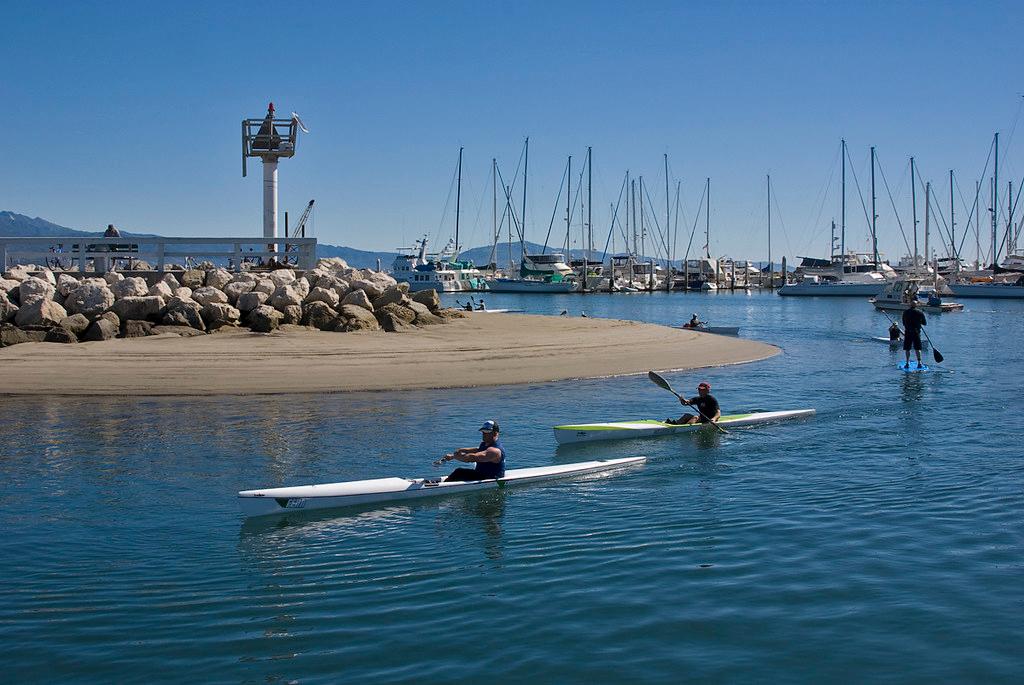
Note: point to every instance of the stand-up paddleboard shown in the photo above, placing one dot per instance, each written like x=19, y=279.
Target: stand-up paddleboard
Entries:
x=350, y=493
x=649, y=428
x=912, y=366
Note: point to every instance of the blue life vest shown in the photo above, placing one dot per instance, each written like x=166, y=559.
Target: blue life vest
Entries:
x=491, y=469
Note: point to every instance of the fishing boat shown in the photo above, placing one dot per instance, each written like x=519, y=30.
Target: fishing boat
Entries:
x=898, y=295
x=649, y=428
x=440, y=272
x=350, y=493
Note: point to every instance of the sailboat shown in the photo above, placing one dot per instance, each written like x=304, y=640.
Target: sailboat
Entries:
x=443, y=272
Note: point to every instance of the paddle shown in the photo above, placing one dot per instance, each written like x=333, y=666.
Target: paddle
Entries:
x=662, y=383
x=935, y=353
x=442, y=460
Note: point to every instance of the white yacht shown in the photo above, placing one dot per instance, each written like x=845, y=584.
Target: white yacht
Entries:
x=853, y=274
x=440, y=272
x=539, y=273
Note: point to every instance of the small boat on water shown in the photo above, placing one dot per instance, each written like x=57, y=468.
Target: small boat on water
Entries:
x=898, y=295
x=649, y=428
x=350, y=493
x=720, y=330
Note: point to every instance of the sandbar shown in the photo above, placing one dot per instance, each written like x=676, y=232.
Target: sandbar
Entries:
x=483, y=349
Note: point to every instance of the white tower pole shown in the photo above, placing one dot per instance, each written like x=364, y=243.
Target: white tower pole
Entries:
x=270, y=198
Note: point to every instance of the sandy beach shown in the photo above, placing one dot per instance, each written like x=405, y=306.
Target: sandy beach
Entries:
x=485, y=349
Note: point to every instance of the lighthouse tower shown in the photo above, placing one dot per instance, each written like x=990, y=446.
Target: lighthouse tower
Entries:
x=269, y=139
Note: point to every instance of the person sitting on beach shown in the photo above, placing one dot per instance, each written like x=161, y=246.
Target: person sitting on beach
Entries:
x=913, y=320
x=694, y=322
x=706, y=405
x=895, y=333
x=489, y=457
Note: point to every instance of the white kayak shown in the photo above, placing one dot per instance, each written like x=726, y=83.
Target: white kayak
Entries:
x=719, y=330
x=353, y=492
x=897, y=343
x=649, y=428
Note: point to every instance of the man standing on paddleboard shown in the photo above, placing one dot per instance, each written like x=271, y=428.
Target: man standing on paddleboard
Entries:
x=913, y=320
x=489, y=457
x=705, y=404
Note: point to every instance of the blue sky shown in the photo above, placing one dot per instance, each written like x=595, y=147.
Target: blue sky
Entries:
x=129, y=112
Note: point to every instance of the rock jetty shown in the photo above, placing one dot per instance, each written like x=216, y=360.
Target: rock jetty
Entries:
x=38, y=305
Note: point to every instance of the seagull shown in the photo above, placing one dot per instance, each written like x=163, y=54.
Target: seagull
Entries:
x=583, y=314
x=565, y=312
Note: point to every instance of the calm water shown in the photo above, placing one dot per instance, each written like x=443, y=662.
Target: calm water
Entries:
x=879, y=541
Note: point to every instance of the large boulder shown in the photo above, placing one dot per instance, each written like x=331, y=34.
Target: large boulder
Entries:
x=76, y=323
x=12, y=335
x=8, y=284
x=233, y=290
x=161, y=289
x=243, y=277
x=33, y=288
x=40, y=312
x=183, y=312
x=263, y=318
x=424, y=317
x=184, y=293
x=282, y=277
x=89, y=299
x=265, y=285
x=217, y=315
x=59, y=334
x=328, y=297
x=319, y=315
x=392, y=295
x=138, y=308
x=358, y=298
x=133, y=286
x=250, y=301
x=180, y=331
x=101, y=329
x=292, y=314
x=285, y=296
x=428, y=298
x=193, y=278
x=137, y=329
x=338, y=285
x=301, y=286
x=171, y=282
x=356, y=318
x=112, y=277
x=218, y=278
x=47, y=275
x=66, y=283
x=112, y=318
x=209, y=295
x=371, y=288
x=7, y=309
x=18, y=273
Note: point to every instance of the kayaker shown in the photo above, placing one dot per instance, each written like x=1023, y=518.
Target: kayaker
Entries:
x=895, y=333
x=934, y=300
x=489, y=456
x=705, y=404
x=694, y=322
x=913, y=320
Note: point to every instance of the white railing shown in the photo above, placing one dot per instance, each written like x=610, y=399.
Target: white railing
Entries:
x=73, y=252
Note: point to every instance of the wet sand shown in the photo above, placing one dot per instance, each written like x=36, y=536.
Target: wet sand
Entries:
x=485, y=349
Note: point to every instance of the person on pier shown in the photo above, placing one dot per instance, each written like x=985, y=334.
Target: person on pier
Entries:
x=706, y=405
x=489, y=456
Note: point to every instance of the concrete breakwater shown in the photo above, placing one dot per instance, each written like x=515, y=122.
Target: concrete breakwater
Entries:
x=39, y=305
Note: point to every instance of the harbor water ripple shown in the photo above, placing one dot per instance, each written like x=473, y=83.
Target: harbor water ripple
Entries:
x=879, y=541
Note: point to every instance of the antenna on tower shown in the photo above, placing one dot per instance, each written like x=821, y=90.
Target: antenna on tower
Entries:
x=270, y=139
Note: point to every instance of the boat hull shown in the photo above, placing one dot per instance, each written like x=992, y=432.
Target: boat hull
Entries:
x=987, y=290
x=831, y=289
x=301, y=498
x=648, y=428
x=513, y=285
x=718, y=330
x=902, y=306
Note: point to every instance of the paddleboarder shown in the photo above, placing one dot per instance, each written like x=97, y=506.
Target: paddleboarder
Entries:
x=913, y=320
x=706, y=405
x=489, y=456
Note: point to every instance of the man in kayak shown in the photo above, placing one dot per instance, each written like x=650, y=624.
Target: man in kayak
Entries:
x=895, y=333
x=913, y=320
x=694, y=322
x=489, y=457
x=705, y=404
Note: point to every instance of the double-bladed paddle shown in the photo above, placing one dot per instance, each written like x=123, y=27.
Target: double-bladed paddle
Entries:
x=662, y=383
x=935, y=353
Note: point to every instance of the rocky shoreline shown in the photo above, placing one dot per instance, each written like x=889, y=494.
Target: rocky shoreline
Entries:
x=39, y=305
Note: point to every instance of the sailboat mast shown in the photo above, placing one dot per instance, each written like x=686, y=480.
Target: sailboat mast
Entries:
x=707, y=223
x=952, y=225
x=995, y=203
x=913, y=204
x=526, y=165
x=458, y=205
x=874, y=214
x=842, y=217
x=494, y=211
x=927, y=217
x=770, y=223
x=632, y=194
x=568, y=207
x=1011, y=241
x=590, y=214
x=643, y=232
x=668, y=219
